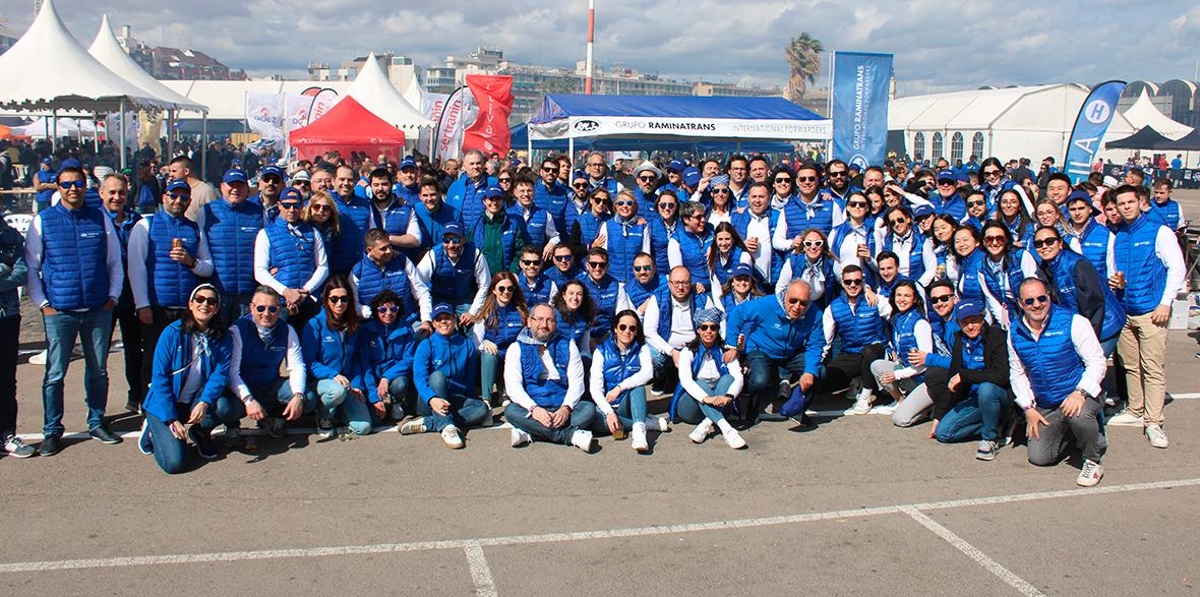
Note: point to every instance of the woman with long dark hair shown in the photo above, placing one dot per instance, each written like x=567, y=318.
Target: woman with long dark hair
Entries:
x=334, y=352
x=621, y=368
x=910, y=331
x=496, y=326
x=1005, y=266
x=575, y=310
x=708, y=386
x=727, y=251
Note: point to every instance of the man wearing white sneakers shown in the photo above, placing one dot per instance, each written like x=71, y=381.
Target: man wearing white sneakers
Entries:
x=1056, y=367
x=544, y=378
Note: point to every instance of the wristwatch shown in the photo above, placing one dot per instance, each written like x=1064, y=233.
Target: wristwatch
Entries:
x=1086, y=395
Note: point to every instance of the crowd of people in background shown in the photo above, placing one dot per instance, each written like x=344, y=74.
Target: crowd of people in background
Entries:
x=983, y=298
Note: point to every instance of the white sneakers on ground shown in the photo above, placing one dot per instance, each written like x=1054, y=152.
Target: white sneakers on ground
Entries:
x=1125, y=419
x=413, y=426
x=662, y=424
x=1157, y=437
x=885, y=409
x=638, y=438
x=582, y=439
x=701, y=432
x=519, y=438
x=733, y=439
x=1090, y=474
x=862, y=406
x=451, y=438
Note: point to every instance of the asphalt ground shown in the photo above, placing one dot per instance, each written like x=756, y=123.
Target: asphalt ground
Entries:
x=855, y=507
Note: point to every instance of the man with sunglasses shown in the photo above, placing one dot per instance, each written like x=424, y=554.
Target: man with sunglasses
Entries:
x=947, y=200
x=1056, y=367
x=231, y=226
x=550, y=194
x=837, y=189
x=577, y=200
x=607, y=292
x=270, y=184
x=857, y=322
x=182, y=168
x=805, y=210
x=168, y=255
x=647, y=176
x=456, y=273
x=76, y=301
x=535, y=285
x=289, y=257
x=261, y=347
x=565, y=267
x=645, y=282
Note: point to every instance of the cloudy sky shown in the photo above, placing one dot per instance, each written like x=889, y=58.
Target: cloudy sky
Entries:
x=938, y=45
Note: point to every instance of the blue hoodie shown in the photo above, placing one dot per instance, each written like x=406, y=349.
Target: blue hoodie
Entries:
x=455, y=356
x=767, y=329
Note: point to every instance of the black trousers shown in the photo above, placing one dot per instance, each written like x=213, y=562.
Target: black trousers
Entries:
x=162, y=317
x=131, y=336
x=10, y=336
x=844, y=367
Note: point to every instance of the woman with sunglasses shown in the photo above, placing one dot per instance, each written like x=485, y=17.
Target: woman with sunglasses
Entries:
x=189, y=374
x=663, y=225
x=1005, y=266
x=813, y=264
x=708, y=386
x=726, y=252
x=590, y=226
x=783, y=187
x=342, y=250
x=852, y=242
x=390, y=344
x=1075, y=284
x=575, y=312
x=1015, y=218
x=995, y=182
x=942, y=234
x=914, y=250
x=690, y=245
x=910, y=332
x=497, y=326
x=504, y=180
x=723, y=204
x=334, y=350
x=624, y=236
x=621, y=368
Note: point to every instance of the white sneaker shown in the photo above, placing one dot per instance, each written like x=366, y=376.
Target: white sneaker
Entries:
x=733, y=439
x=885, y=409
x=325, y=429
x=17, y=448
x=1157, y=437
x=1125, y=419
x=662, y=424
x=638, y=439
x=519, y=438
x=451, y=438
x=582, y=439
x=701, y=432
x=1090, y=474
x=861, y=406
x=413, y=426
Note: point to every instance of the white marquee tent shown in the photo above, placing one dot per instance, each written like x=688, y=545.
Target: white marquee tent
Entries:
x=1143, y=114
x=1032, y=122
x=373, y=90
x=106, y=49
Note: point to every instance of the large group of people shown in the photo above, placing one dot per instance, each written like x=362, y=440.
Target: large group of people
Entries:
x=569, y=298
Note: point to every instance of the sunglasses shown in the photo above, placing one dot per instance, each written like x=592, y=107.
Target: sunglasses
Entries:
x=289, y=205
x=708, y=327
x=722, y=190
x=268, y=308
x=318, y=207
x=854, y=282
x=991, y=173
x=580, y=185
x=806, y=178
x=599, y=200
x=299, y=182
x=786, y=179
x=1040, y=299
x=666, y=206
x=623, y=327
x=856, y=204
x=1045, y=242
x=598, y=264
x=642, y=268
x=898, y=221
x=339, y=299
x=72, y=184
x=945, y=298
x=698, y=216
x=975, y=204
x=388, y=309
x=451, y=240
x=625, y=202
x=494, y=198
x=994, y=240
x=549, y=169
x=562, y=258
x=946, y=183
x=530, y=262
x=503, y=180
x=647, y=178
x=811, y=244
x=179, y=197
x=837, y=174
x=271, y=179
x=508, y=288
x=205, y=300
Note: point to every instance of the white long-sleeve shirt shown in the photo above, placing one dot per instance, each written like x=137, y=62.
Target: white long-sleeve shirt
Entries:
x=995, y=296
x=514, y=378
x=33, y=259
x=295, y=362
x=262, y=264
x=689, y=383
x=138, y=254
x=483, y=278
x=1083, y=337
x=683, y=330
x=1166, y=247
x=641, y=378
x=416, y=286
x=923, y=334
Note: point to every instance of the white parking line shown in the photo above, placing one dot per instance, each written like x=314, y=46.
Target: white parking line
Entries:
x=970, y=551
x=313, y=552
x=481, y=573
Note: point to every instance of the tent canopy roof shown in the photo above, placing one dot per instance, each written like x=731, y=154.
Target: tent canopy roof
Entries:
x=556, y=107
x=107, y=50
x=1147, y=138
x=1044, y=108
x=373, y=90
x=1143, y=114
x=348, y=123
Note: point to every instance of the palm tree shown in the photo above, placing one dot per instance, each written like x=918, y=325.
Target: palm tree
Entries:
x=803, y=54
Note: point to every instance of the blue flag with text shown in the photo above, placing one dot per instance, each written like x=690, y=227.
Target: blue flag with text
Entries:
x=1091, y=124
x=861, y=82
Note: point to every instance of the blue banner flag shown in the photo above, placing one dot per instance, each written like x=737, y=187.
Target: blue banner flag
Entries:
x=860, y=107
x=1091, y=124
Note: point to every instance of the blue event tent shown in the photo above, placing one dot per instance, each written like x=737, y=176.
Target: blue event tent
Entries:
x=520, y=138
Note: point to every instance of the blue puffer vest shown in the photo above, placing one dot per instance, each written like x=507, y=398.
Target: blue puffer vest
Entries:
x=619, y=366
x=260, y=362
x=231, y=231
x=660, y=238
x=904, y=337
x=624, y=243
x=536, y=293
x=373, y=279
x=535, y=224
x=1053, y=366
x=292, y=251
x=545, y=392
x=801, y=217
x=969, y=267
x=1004, y=287
x=1145, y=273
x=453, y=283
x=553, y=200
x=638, y=292
x=858, y=328
x=1093, y=244
x=916, y=257
x=1062, y=268
x=666, y=307
x=508, y=324
x=697, y=362
x=693, y=250
x=604, y=294
x=171, y=283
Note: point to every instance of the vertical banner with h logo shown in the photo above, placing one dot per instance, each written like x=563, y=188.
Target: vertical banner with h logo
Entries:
x=860, y=107
x=1091, y=124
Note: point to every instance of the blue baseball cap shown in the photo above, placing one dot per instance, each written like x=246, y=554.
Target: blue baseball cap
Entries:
x=691, y=176
x=46, y=160
x=677, y=165
x=70, y=163
x=741, y=269
x=578, y=175
x=176, y=184
x=235, y=175
x=967, y=309
x=922, y=211
x=272, y=170
x=947, y=175
x=492, y=192
x=442, y=309
x=408, y=163
x=453, y=228
x=291, y=194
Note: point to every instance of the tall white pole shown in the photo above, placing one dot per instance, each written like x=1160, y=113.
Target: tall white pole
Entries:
x=591, y=42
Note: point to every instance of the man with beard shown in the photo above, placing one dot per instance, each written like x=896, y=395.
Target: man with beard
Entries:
x=551, y=195
x=270, y=185
x=805, y=210
x=837, y=192
x=433, y=214
x=393, y=213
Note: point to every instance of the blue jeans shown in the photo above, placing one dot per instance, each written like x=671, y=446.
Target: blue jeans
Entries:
x=330, y=395
x=489, y=364
x=92, y=328
x=581, y=418
x=979, y=415
x=170, y=452
x=360, y=417
x=692, y=412
x=762, y=380
x=464, y=412
x=630, y=409
x=273, y=397
x=398, y=390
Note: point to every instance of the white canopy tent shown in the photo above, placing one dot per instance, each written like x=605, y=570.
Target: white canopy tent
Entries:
x=1143, y=114
x=372, y=89
x=42, y=127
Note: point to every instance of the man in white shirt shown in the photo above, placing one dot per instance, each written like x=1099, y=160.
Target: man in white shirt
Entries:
x=669, y=321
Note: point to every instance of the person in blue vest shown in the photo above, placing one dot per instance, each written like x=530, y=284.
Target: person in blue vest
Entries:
x=941, y=232
x=689, y=246
x=1086, y=236
x=335, y=353
x=1149, y=274
x=970, y=394
x=496, y=233
x=289, y=256
x=1075, y=285
x=231, y=226
x=1005, y=264
x=14, y=273
x=621, y=368
x=646, y=177
x=354, y=209
x=589, y=226
x=342, y=252
x=544, y=377
x=903, y=382
x=44, y=183
x=756, y=225
x=1167, y=208
x=780, y=338
x=114, y=191
x=853, y=241
x=382, y=268
x=76, y=301
x=577, y=202
x=1056, y=367
x=670, y=322
x=455, y=272
x=539, y=224
x=466, y=193
x=271, y=183
x=606, y=292
x=708, y=386
x=726, y=251
x=976, y=209
x=407, y=179
x=942, y=323
x=566, y=267
x=814, y=264
x=534, y=283
x=624, y=236
x=393, y=213
x=598, y=175
x=969, y=260
x=858, y=324
x=783, y=187
x=913, y=250
x=737, y=170
x=500, y=319
x=446, y=376
x=390, y=344
x=433, y=214
x=551, y=195
x=261, y=346
x=995, y=182
x=837, y=190
x=947, y=199
x=664, y=225
x=1016, y=217
x=645, y=282
x=191, y=370
x=167, y=257
x=576, y=311
x=805, y=210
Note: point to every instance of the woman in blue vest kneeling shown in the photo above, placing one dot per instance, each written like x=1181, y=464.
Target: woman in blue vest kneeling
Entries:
x=333, y=344
x=191, y=369
x=621, y=368
x=711, y=386
x=390, y=345
x=446, y=375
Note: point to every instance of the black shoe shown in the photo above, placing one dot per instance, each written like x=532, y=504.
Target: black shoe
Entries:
x=50, y=445
x=804, y=423
x=104, y=436
x=133, y=407
x=203, y=442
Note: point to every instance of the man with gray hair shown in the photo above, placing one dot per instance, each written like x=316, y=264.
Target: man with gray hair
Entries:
x=466, y=193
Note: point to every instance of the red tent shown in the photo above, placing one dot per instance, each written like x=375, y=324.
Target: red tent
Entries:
x=348, y=127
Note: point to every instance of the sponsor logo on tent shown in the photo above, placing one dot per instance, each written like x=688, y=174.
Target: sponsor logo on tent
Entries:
x=586, y=126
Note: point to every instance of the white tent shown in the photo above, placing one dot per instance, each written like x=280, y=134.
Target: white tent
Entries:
x=108, y=51
x=42, y=127
x=372, y=89
x=1032, y=122
x=1143, y=114
x=73, y=80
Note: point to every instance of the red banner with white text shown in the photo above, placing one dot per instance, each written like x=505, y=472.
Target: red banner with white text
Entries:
x=493, y=95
